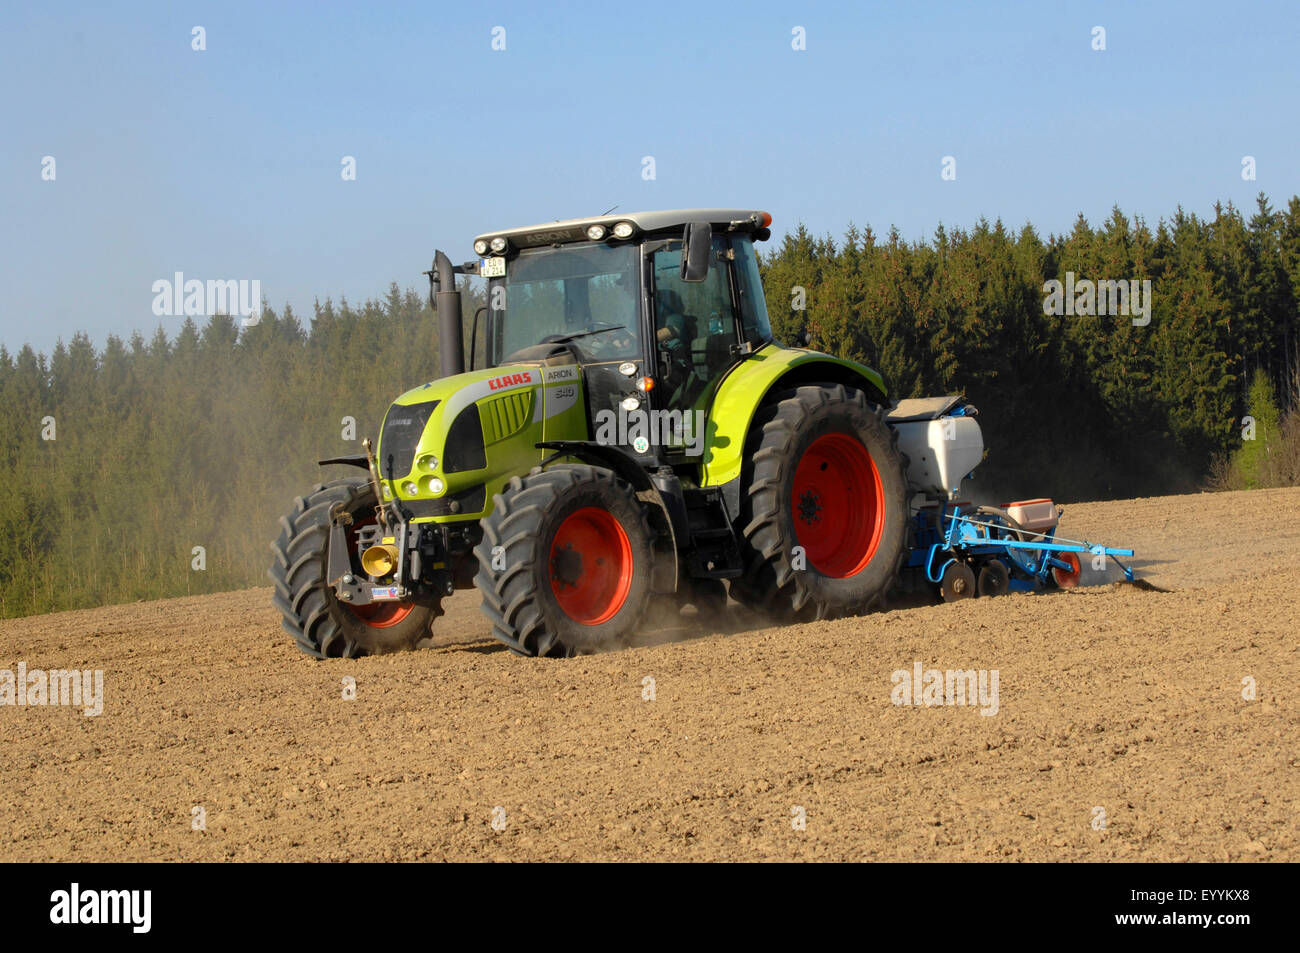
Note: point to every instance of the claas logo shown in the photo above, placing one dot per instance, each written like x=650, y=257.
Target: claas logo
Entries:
x=510, y=380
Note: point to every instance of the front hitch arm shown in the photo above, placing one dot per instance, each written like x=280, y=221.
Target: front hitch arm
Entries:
x=350, y=588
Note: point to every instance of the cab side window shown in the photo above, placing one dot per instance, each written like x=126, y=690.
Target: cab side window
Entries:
x=749, y=285
x=695, y=326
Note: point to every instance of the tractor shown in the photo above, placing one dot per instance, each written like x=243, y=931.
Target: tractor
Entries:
x=633, y=437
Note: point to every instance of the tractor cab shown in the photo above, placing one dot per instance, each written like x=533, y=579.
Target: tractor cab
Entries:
x=654, y=308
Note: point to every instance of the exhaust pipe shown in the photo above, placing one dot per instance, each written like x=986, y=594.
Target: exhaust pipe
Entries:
x=451, y=336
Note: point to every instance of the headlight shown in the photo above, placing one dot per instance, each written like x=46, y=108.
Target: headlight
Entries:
x=427, y=461
x=624, y=230
x=481, y=247
x=595, y=232
x=631, y=403
x=498, y=244
x=435, y=486
x=410, y=489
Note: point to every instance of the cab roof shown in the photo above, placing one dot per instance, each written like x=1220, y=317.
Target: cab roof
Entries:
x=575, y=229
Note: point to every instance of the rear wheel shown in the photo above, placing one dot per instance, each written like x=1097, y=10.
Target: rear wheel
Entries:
x=824, y=506
x=321, y=625
x=565, y=560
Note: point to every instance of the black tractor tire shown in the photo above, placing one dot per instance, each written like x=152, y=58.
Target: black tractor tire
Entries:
x=851, y=505
x=320, y=624
x=565, y=562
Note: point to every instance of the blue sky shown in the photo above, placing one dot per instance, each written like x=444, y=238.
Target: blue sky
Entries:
x=226, y=163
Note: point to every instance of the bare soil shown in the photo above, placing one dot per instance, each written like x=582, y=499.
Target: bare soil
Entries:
x=1111, y=698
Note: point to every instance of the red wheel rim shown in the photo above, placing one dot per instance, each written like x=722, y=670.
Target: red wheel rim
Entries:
x=377, y=615
x=590, y=566
x=1067, y=578
x=838, y=505
x=380, y=615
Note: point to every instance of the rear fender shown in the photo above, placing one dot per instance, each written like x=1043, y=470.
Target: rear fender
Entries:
x=770, y=369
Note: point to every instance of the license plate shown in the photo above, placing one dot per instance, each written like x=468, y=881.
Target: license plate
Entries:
x=492, y=267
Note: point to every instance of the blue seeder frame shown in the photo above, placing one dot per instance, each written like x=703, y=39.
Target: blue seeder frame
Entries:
x=959, y=534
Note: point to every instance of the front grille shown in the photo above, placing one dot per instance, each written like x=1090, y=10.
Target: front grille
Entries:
x=403, y=427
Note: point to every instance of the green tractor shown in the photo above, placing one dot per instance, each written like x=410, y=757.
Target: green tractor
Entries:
x=634, y=436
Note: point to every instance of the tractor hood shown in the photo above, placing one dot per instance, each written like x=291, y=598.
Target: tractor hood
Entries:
x=442, y=442
x=461, y=390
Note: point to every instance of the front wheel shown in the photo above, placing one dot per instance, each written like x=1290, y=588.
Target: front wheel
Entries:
x=320, y=624
x=565, y=562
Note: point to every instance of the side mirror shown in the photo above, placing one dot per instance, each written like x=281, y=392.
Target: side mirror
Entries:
x=697, y=248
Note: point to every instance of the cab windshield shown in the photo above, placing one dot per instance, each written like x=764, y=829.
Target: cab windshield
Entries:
x=587, y=292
